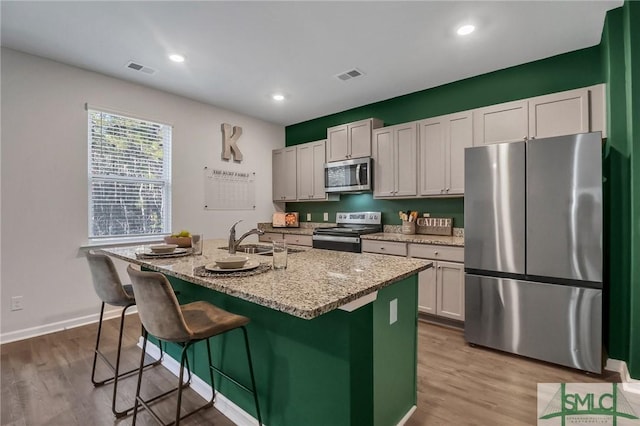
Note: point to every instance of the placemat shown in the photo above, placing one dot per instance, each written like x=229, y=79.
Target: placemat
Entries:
x=201, y=271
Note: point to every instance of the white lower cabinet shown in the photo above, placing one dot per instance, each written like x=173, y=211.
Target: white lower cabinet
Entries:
x=298, y=240
x=450, y=290
x=268, y=237
x=384, y=247
x=294, y=239
x=441, y=288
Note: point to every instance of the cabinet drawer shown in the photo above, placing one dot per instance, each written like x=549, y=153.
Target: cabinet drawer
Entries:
x=384, y=247
x=426, y=251
x=300, y=240
x=269, y=237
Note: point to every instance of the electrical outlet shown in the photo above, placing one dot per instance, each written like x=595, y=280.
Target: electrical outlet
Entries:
x=16, y=303
x=325, y=217
x=308, y=217
x=393, y=311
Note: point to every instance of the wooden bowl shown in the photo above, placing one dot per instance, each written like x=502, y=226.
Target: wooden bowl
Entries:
x=182, y=242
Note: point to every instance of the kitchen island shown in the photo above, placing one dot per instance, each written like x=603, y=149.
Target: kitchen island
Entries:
x=333, y=336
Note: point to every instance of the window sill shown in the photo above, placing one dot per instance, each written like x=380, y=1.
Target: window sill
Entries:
x=127, y=241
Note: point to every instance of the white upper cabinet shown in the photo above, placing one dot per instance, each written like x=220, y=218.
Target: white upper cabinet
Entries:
x=432, y=155
x=564, y=113
x=352, y=140
x=311, y=159
x=558, y=114
x=460, y=136
x=395, y=151
x=508, y=122
x=442, y=143
x=284, y=174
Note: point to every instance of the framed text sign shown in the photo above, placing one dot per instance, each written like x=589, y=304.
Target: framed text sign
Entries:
x=229, y=190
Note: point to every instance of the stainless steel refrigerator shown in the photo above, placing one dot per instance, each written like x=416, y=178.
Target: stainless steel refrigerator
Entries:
x=533, y=249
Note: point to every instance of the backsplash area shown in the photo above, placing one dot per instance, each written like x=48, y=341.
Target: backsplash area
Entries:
x=437, y=207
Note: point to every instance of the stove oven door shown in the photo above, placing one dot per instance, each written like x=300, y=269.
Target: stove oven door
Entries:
x=337, y=242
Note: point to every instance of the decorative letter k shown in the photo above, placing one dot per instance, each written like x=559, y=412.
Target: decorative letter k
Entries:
x=229, y=142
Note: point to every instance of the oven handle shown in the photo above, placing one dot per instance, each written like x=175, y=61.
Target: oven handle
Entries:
x=336, y=238
x=358, y=167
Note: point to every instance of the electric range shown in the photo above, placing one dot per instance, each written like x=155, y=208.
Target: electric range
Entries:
x=346, y=236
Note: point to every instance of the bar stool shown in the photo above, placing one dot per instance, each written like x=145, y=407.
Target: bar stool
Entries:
x=110, y=290
x=168, y=321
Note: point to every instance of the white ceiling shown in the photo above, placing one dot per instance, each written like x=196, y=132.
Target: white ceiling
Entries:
x=239, y=53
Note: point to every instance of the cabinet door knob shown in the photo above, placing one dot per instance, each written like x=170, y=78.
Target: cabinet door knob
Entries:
x=447, y=189
x=435, y=253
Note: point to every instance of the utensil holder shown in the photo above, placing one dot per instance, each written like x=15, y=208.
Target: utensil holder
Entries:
x=408, y=227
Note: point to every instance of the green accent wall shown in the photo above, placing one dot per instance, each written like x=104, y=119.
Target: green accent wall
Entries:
x=446, y=207
x=341, y=368
x=620, y=49
x=563, y=72
x=632, y=11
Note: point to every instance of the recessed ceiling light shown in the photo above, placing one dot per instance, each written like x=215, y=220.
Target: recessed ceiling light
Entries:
x=466, y=29
x=176, y=58
x=277, y=97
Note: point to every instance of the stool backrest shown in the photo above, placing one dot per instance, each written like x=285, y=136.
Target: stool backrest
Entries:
x=106, y=280
x=158, y=306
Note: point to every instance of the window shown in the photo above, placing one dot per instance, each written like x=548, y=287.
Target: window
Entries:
x=129, y=176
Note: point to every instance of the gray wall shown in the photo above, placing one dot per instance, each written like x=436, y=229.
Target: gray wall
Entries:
x=44, y=204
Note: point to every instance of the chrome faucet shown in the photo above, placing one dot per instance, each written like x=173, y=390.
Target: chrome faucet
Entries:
x=233, y=243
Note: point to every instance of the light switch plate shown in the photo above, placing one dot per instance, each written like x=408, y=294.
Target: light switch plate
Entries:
x=308, y=217
x=393, y=311
x=325, y=217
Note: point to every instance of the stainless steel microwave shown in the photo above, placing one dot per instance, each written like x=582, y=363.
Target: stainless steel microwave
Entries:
x=348, y=176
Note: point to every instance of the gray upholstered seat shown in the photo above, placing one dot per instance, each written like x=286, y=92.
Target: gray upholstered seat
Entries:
x=106, y=281
x=109, y=288
x=164, y=318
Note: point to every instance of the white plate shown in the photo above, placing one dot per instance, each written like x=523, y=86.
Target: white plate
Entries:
x=173, y=253
x=251, y=264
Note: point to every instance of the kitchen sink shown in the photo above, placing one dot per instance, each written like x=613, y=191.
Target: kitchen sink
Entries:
x=260, y=249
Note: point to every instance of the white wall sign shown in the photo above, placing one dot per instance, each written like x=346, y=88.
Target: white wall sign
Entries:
x=228, y=190
x=230, y=142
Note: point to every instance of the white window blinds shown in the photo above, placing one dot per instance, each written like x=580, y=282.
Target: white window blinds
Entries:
x=129, y=176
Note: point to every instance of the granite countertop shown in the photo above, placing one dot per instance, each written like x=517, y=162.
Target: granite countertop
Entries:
x=416, y=238
x=315, y=281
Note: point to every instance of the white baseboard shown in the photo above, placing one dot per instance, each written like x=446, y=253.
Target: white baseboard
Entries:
x=406, y=417
x=234, y=413
x=629, y=384
x=28, y=333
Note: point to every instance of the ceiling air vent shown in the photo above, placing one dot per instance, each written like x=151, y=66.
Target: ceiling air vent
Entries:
x=137, y=67
x=348, y=75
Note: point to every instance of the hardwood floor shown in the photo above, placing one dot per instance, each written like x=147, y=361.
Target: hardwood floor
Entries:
x=46, y=381
x=463, y=385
